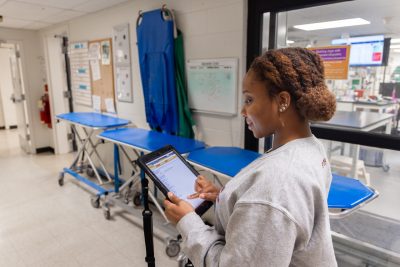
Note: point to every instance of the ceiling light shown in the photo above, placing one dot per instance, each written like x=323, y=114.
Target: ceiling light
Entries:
x=395, y=40
x=289, y=41
x=395, y=46
x=332, y=24
x=396, y=50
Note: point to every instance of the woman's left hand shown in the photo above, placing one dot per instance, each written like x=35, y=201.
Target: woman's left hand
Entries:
x=176, y=208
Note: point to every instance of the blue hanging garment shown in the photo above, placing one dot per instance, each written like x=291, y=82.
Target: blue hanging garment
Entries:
x=155, y=40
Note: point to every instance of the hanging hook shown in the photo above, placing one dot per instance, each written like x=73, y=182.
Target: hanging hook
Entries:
x=167, y=12
x=140, y=15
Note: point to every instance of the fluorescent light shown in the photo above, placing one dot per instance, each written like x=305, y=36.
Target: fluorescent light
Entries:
x=396, y=50
x=395, y=40
x=395, y=46
x=289, y=41
x=332, y=24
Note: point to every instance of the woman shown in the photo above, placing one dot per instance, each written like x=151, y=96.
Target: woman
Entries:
x=274, y=212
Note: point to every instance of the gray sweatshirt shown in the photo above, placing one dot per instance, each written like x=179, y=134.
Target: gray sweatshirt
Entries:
x=273, y=213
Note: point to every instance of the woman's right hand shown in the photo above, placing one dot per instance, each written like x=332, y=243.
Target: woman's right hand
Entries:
x=205, y=189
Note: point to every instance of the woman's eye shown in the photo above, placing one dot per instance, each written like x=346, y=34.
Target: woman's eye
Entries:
x=248, y=100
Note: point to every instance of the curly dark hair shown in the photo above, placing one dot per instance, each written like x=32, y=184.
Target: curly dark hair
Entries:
x=300, y=72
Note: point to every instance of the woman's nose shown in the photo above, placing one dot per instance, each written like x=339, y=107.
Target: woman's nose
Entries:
x=243, y=112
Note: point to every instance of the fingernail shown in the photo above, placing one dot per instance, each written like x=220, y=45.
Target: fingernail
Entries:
x=170, y=194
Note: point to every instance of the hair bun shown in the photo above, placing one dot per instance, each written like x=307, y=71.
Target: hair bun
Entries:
x=317, y=104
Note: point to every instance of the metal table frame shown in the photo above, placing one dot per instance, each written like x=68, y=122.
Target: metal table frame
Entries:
x=89, y=123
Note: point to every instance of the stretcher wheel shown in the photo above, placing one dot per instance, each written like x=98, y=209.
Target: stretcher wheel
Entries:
x=61, y=179
x=107, y=214
x=137, y=201
x=95, y=201
x=90, y=171
x=386, y=168
x=173, y=248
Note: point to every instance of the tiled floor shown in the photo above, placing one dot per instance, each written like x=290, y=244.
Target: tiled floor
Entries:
x=42, y=224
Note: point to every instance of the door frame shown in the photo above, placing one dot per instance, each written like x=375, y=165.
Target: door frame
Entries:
x=57, y=85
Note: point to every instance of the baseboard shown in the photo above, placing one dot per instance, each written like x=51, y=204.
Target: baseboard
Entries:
x=13, y=126
x=44, y=150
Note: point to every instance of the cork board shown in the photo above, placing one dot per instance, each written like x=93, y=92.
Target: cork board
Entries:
x=102, y=75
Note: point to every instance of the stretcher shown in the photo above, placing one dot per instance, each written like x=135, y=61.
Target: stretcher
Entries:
x=142, y=141
x=89, y=123
x=346, y=195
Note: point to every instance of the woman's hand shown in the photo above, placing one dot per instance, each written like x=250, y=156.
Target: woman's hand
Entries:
x=205, y=189
x=176, y=208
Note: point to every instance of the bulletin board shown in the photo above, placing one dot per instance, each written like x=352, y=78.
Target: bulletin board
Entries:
x=212, y=85
x=101, y=73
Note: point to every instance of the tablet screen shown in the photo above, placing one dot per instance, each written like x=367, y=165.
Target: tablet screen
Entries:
x=176, y=176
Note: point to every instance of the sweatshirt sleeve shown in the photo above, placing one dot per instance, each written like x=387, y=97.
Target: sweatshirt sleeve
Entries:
x=257, y=234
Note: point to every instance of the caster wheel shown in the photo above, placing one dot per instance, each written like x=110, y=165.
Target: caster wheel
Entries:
x=61, y=179
x=95, y=201
x=386, y=168
x=173, y=248
x=137, y=201
x=90, y=172
x=126, y=197
x=107, y=214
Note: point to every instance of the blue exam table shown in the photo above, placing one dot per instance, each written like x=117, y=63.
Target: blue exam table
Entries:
x=89, y=122
x=346, y=195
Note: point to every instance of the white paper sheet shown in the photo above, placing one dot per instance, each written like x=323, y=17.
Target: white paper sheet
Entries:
x=105, y=52
x=96, y=100
x=95, y=67
x=109, y=105
x=94, y=51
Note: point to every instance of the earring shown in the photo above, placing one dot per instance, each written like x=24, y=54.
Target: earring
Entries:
x=283, y=107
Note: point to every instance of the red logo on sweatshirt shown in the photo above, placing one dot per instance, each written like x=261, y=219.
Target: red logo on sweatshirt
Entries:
x=323, y=163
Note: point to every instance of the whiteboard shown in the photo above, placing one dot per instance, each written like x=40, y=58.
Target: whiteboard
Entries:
x=212, y=85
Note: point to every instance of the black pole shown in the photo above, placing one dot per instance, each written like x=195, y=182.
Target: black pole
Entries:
x=69, y=86
x=147, y=222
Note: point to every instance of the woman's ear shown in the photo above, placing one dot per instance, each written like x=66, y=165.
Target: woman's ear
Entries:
x=284, y=100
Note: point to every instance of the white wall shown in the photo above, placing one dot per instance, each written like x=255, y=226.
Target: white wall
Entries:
x=31, y=55
x=2, y=122
x=6, y=88
x=212, y=29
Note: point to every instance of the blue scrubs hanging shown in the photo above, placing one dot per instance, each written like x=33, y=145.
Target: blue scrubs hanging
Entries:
x=155, y=40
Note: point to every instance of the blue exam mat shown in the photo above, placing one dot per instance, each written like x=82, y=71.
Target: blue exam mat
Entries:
x=155, y=41
x=347, y=193
x=92, y=119
x=151, y=140
x=226, y=160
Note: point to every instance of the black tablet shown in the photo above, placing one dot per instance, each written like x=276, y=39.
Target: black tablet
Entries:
x=170, y=172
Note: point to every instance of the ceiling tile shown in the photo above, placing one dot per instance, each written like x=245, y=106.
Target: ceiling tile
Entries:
x=96, y=5
x=14, y=23
x=24, y=11
x=64, y=15
x=56, y=3
x=37, y=25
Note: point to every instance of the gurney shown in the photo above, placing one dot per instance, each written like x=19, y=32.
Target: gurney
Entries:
x=89, y=122
x=346, y=195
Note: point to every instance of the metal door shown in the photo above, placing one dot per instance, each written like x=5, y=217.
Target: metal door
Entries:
x=18, y=98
